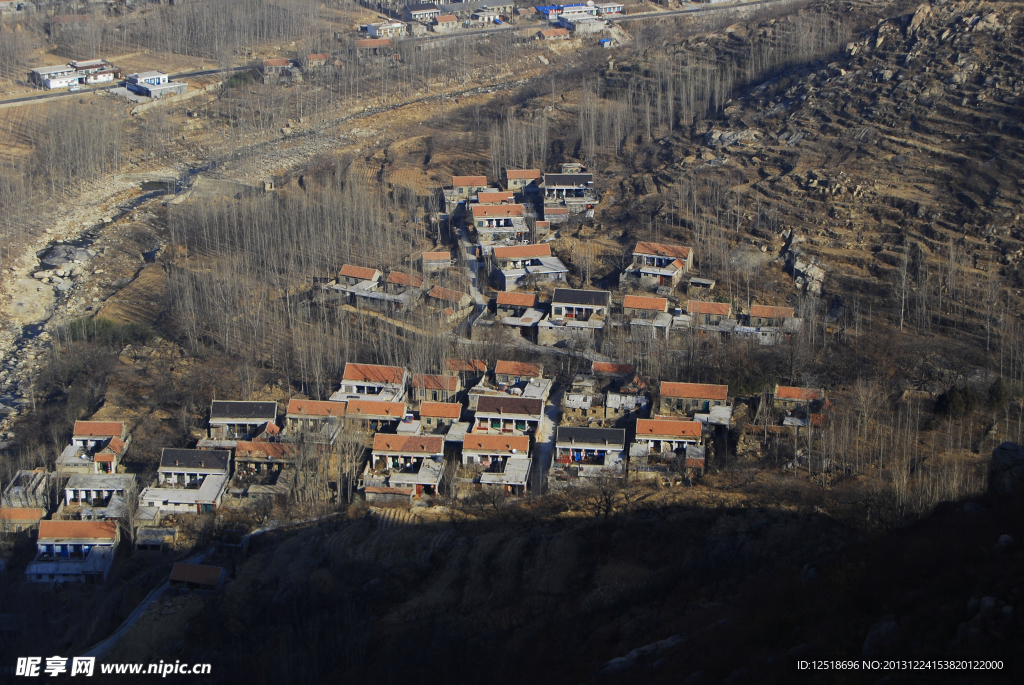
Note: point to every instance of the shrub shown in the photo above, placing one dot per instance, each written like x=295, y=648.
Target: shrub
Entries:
x=106, y=332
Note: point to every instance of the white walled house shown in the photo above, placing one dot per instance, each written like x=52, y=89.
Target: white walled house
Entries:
x=73, y=551
x=189, y=481
x=594, y=452
x=372, y=382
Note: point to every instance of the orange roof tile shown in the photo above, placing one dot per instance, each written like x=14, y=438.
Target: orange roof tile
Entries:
x=98, y=429
x=104, y=458
x=433, y=382
x=786, y=392
x=496, y=443
x=614, y=369
x=439, y=256
x=198, y=574
x=424, y=444
x=373, y=373
x=522, y=174
x=399, y=278
x=517, y=369
x=443, y=410
x=75, y=530
x=714, y=308
x=275, y=450
x=474, y=365
x=522, y=251
x=769, y=312
x=557, y=211
x=662, y=250
x=316, y=408
x=675, y=429
x=439, y=293
x=371, y=409
x=469, y=181
x=659, y=304
x=495, y=197
x=446, y=18
x=373, y=42
x=21, y=514
x=361, y=272
x=517, y=299
x=276, y=63
x=695, y=391
x=554, y=33
x=497, y=211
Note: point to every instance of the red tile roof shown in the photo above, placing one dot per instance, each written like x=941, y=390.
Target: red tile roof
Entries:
x=361, y=272
x=714, y=308
x=497, y=443
x=433, y=382
x=98, y=429
x=316, y=408
x=399, y=278
x=74, y=530
x=695, y=391
x=662, y=250
x=469, y=181
x=557, y=211
x=21, y=514
x=522, y=251
x=522, y=174
x=276, y=63
x=439, y=256
x=675, y=429
x=543, y=224
x=517, y=299
x=517, y=369
x=445, y=18
x=786, y=392
x=768, y=312
x=423, y=444
x=275, y=450
x=439, y=293
x=443, y=410
x=371, y=409
x=198, y=574
x=659, y=304
x=373, y=42
x=614, y=369
x=474, y=365
x=496, y=211
x=115, y=445
x=495, y=197
x=554, y=33
x=373, y=373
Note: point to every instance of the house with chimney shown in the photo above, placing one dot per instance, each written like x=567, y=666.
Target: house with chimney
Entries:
x=708, y=313
x=658, y=265
x=234, y=420
x=188, y=481
x=445, y=23
x=522, y=180
x=465, y=187
x=374, y=416
x=515, y=265
x=591, y=452
x=666, y=438
x=315, y=420
x=434, y=388
x=495, y=197
x=372, y=382
x=439, y=417
x=687, y=399
x=73, y=552
x=406, y=462
x=498, y=461
x=508, y=304
x=499, y=223
x=647, y=316
x=96, y=447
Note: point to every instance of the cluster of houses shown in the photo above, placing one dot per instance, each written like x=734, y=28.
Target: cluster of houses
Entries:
x=150, y=84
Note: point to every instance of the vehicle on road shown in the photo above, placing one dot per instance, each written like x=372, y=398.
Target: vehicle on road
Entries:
x=74, y=88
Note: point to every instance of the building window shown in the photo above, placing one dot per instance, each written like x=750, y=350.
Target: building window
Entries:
x=558, y=311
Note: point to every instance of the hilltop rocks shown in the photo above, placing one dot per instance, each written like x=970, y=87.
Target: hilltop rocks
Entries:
x=1006, y=475
x=31, y=301
x=59, y=255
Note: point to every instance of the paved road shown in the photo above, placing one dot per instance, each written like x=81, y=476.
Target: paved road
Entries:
x=545, y=445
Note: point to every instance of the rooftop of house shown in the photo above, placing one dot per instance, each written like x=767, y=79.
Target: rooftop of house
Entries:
x=98, y=429
x=414, y=444
x=522, y=174
x=567, y=180
x=77, y=530
x=513, y=299
x=509, y=404
x=439, y=293
x=712, y=308
x=495, y=197
x=441, y=410
x=696, y=391
x=497, y=211
x=373, y=373
x=663, y=427
x=21, y=514
x=522, y=369
x=373, y=42
x=100, y=481
x=399, y=278
x=435, y=382
x=662, y=250
x=470, y=365
x=479, y=442
x=197, y=574
x=786, y=392
x=591, y=436
x=522, y=251
x=768, y=312
x=614, y=369
x=590, y=298
x=266, y=450
x=446, y=18
x=276, y=63
x=438, y=256
x=422, y=7
x=658, y=304
x=469, y=181
x=214, y=460
x=316, y=408
x=374, y=410
x=364, y=273
x=254, y=412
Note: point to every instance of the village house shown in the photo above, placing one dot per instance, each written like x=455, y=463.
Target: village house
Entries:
x=315, y=61
x=553, y=34
x=240, y=420
x=464, y=10
x=413, y=462
x=424, y=13
x=56, y=76
x=436, y=261
x=466, y=187
x=27, y=490
x=20, y=520
x=499, y=223
x=517, y=309
x=188, y=481
x=73, y=552
x=764, y=315
x=272, y=70
x=512, y=373
x=495, y=197
x=374, y=415
x=445, y=23
x=372, y=382
x=504, y=461
x=439, y=417
x=689, y=398
x=667, y=436
x=191, y=577
x=508, y=414
x=512, y=379
x=515, y=265
x=96, y=447
x=575, y=314
x=265, y=470
x=656, y=265
x=399, y=282
x=444, y=297
x=608, y=9
x=373, y=46
x=610, y=394
x=592, y=452
x=156, y=539
x=485, y=16
x=800, y=405
x=522, y=180
x=386, y=29
x=647, y=315
x=154, y=84
x=431, y=388
x=316, y=420
x=98, y=491
x=469, y=371
x=708, y=313
x=359, y=277
x=575, y=191
x=556, y=215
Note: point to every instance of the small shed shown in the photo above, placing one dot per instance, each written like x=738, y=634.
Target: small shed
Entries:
x=197, y=577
